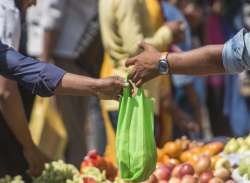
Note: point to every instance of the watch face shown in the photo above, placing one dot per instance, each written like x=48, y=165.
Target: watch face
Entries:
x=163, y=67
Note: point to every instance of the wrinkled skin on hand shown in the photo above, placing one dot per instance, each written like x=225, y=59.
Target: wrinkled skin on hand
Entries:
x=111, y=87
x=145, y=65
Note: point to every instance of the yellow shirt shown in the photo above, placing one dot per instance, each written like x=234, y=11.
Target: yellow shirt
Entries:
x=124, y=24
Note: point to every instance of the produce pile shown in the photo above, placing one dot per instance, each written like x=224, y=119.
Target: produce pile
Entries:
x=179, y=161
x=237, y=145
x=103, y=164
x=9, y=179
x=185, y=161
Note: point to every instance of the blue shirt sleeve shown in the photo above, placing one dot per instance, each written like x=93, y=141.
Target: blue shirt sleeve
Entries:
x=236, y=53
x=41, y=78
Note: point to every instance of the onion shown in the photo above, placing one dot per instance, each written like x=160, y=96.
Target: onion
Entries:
x=163, y=181
x=162, y=173
x=216, y=180
x=230, y=181
x=186, y=169
x=203, y=164
x=189, y=179
x=152, y=179
x=176, y=171
x=222, y=173
x=174, y=180
x=170, y=166
x=206, y=177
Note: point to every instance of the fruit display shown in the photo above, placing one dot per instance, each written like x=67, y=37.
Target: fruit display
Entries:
x=179, y=161
x=94, y=175
x=9, y=179
x=201, y=172
x=186, y=151
x=92, y=159
x=242, y=173
x=236, y=149
x=185, y=161
x=58, y=172
x=237, y=145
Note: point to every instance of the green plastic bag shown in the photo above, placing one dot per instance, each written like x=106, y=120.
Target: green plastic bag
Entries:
x=135, y=142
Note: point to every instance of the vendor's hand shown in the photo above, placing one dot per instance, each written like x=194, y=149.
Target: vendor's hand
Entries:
x=111, y=87
x=145, y=65
x=36, y=160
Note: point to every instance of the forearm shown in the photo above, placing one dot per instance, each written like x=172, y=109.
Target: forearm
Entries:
x=72, y=84
x=202, y=61
x=13, y=111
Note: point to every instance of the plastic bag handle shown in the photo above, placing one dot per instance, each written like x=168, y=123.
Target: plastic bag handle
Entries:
x=126, y=90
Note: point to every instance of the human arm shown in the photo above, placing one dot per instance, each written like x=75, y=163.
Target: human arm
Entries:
x=43, y=79
x=182, y=119
x=10, y=101
x=194, y=102
x=201, y=61
x=232, y=57
x=186, y=84
x=108, y=88
x=130, y=26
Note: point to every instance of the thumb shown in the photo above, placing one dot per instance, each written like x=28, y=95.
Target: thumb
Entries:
x=130, y=61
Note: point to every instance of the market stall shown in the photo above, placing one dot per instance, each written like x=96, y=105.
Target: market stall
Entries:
x=179, y=161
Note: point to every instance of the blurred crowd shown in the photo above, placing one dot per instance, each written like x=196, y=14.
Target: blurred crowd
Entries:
x=95, y=38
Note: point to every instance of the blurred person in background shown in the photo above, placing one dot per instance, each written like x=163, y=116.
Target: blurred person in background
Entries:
x=185, y=93
x=66, y=32
x=215, y=34
x=18, y=152
x=236, y=104
x=19, y=148
x=124, y=24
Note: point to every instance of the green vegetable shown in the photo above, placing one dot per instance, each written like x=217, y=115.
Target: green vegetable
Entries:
x=59, y=172
x=9, y=179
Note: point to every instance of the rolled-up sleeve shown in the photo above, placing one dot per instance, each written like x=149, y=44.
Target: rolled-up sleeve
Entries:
x=39, y=77
x=53, y=11
x=236, y=53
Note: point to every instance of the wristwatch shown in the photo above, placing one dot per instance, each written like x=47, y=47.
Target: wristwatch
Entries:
x=163, y=64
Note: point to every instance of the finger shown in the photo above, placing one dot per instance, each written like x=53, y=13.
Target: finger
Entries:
x=131, y=87
x=136, y=77
x=131, y=61
x=139, y=83
x=131, y=74
x=120, y=82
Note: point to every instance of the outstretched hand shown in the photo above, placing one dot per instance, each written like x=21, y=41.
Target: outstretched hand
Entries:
x=145, y=65
x=111, y=87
